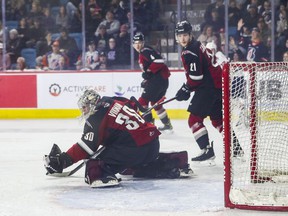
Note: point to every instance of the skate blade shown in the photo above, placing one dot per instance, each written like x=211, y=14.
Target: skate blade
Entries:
x=100, y=184
x=188, y=174
x=168, y=132
x=210, y=163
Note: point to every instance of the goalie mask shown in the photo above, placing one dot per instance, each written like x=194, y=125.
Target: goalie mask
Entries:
x=87, y=103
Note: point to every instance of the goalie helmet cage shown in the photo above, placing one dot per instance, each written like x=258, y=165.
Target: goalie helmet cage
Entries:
x=255, y=109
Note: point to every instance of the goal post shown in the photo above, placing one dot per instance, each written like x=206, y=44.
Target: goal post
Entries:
x=255, y=110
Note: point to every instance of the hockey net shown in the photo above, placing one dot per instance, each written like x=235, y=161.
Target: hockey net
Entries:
x=255, y=109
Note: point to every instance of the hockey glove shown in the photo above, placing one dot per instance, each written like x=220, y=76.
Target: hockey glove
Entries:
x=147, y=75
x=183, y=93
x=56, y=161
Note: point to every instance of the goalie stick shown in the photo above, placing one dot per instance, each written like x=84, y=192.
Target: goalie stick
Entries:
x=71, y=172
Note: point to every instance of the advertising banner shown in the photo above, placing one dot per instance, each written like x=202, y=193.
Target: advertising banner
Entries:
x=18, y=91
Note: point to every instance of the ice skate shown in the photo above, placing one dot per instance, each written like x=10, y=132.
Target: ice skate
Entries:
x=108, y=181
x=207, y=155
x=186, y=172
x=167, y=128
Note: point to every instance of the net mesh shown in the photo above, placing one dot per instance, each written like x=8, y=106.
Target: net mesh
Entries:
x=258, y=101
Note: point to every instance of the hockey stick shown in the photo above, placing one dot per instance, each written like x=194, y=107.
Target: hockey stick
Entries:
x=71, y=172
x=147, y=110
x=158, y=103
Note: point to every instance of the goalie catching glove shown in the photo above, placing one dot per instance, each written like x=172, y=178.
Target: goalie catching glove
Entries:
x=56, y=161
x=183, y=93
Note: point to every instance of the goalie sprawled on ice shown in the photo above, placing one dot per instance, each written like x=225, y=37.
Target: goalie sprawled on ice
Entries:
x=129, y=143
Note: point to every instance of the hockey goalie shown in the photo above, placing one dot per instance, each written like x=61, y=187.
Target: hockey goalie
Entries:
x=129, y=143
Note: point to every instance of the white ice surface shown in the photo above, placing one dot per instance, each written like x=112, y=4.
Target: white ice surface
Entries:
x=26, y=190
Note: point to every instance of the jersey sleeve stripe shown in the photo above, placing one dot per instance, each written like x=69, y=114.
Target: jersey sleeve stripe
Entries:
x=200, y=77
x=85, y=147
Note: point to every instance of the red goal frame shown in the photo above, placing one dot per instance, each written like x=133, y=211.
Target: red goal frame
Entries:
x=227, y=131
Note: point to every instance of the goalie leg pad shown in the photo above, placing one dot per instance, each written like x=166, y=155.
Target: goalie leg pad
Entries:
x=167, y=165
x=98, y=175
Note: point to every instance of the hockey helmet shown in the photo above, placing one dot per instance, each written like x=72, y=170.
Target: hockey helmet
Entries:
x=87, y=103
x=183, y=27
x=211, y=45
x=138, y=37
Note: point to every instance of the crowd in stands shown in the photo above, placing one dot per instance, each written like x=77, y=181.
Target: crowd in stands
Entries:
x=50, y=29
x=250, y=28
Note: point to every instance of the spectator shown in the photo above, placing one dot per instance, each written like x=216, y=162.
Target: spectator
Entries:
x=215, y=21
x=23, y=30
x=123, y=43
x=101, y=40
x=120, y=10
x=35, y=33
x=62, y=19
x=218, y=8
x=282, y=22
x=248, y=3
x=139, y=12
x=237, y=56
x=18, y=9
x=36, y=10
x=207, y=35
x=266, y=11
x=281, y=50
x=251, y=18
x=112, y=25
x=102, y=62
x=55, y=60
x=137, y=26
x=264, y=29
x=68, y=45
x=39, y=63
x=7, y=59
x=21, y=64
x=257, y=50
x=94, y=12
x=234, y=14
x=71, y=8
x=48, y=20
x=243, y=36
x=76, y=20
x=112, y=53
x=14, y=46
x=91, y=56
x=44, y=46
x=285, y=56
x=147, y=8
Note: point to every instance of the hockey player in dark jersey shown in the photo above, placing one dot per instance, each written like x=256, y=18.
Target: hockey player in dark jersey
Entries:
x=130, y=143
x=204, y=80
x=156, y=80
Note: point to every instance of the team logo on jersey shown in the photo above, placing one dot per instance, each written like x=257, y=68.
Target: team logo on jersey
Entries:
x=55, y=90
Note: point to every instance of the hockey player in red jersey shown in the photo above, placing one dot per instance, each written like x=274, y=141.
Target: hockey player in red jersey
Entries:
x=156, y=80
x=204, y=80
x=130, y=143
